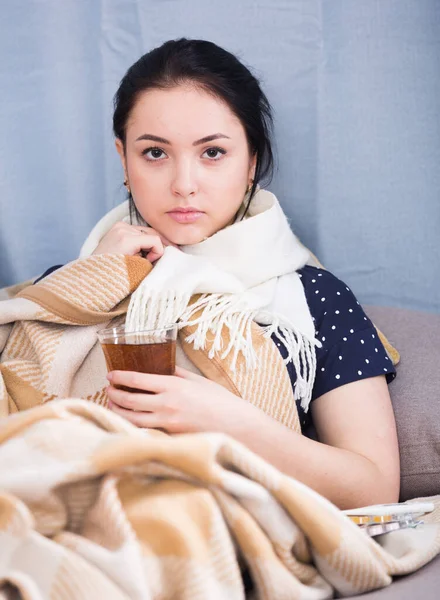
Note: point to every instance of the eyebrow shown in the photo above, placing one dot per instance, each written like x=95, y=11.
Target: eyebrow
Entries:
x=204, y=140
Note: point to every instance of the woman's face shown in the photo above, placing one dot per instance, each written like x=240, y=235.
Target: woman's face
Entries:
x=187, y=162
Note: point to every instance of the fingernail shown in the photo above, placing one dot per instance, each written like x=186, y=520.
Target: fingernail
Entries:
x=109, y=376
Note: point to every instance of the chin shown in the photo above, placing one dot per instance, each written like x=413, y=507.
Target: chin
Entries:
x=188, y=238
x=187, y=235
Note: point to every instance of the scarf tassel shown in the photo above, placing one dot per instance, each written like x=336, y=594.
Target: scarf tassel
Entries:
x=210, y=313
x=220, y=311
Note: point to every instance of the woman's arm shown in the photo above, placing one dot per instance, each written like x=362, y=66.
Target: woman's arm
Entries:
x=356, y=461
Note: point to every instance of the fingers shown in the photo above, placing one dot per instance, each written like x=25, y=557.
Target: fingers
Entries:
x=185, y=374
x=131, y=240
x=152, y=245
x=133, y=401
x=140, y=419
x=142, y=381
x=145, y=241
x=151, y=231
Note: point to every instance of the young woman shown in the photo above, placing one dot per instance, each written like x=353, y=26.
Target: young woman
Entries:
x=192, y=129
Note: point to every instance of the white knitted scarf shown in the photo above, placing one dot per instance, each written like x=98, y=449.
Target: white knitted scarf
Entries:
x=243, y=273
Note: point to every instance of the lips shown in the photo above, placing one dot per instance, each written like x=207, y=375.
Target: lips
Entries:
x=185, y=215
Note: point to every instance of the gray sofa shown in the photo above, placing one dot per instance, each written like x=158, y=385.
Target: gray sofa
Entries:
x=416, y=397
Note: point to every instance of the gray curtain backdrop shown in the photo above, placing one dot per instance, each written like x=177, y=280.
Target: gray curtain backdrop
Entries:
x=355, y=85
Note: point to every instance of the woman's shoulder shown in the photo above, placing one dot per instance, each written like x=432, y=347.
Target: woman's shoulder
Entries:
x=323, y=289
x=351, y=349
x=335, y=310
x=310, y=274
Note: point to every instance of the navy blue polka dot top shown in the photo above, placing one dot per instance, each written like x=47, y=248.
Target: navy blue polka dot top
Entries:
x=351, y=349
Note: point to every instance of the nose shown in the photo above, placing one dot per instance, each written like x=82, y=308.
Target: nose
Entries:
x=184, y=183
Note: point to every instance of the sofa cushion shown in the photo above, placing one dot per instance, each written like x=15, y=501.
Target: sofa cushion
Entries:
x=415, y=395
x=423, y=584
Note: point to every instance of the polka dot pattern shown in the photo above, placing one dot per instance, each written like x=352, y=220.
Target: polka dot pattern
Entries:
x=351, y=350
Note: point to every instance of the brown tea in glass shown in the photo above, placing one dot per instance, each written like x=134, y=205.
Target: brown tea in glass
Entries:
x=150, y=351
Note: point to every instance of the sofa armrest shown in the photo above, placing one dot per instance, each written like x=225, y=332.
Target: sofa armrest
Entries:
x=415, y=394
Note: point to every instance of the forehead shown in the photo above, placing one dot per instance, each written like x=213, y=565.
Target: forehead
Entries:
x=182, y=112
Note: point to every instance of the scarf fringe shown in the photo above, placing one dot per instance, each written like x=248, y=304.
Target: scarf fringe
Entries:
x=218, y=311
x=155, y=310
x=301, y=353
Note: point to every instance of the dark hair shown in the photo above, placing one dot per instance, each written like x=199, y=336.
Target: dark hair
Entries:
x=218, y=72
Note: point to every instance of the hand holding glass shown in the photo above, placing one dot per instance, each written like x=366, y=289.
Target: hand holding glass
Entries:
x=149, y=351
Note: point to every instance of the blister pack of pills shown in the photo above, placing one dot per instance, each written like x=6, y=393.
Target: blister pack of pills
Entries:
x=384, y=518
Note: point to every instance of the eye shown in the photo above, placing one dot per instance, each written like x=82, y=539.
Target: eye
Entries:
x=154, y=154
x=214, y=153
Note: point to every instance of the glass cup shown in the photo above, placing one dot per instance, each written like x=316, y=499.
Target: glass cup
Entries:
x=148, y=351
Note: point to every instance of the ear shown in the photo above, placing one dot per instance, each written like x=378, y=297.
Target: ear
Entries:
x=252, y=166
x=120, y=149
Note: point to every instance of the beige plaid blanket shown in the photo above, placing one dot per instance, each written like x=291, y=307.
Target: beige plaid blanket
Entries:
x=49, y=347
x=92, y=507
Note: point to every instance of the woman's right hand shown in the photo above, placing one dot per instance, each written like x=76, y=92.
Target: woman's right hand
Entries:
x=130, y=240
